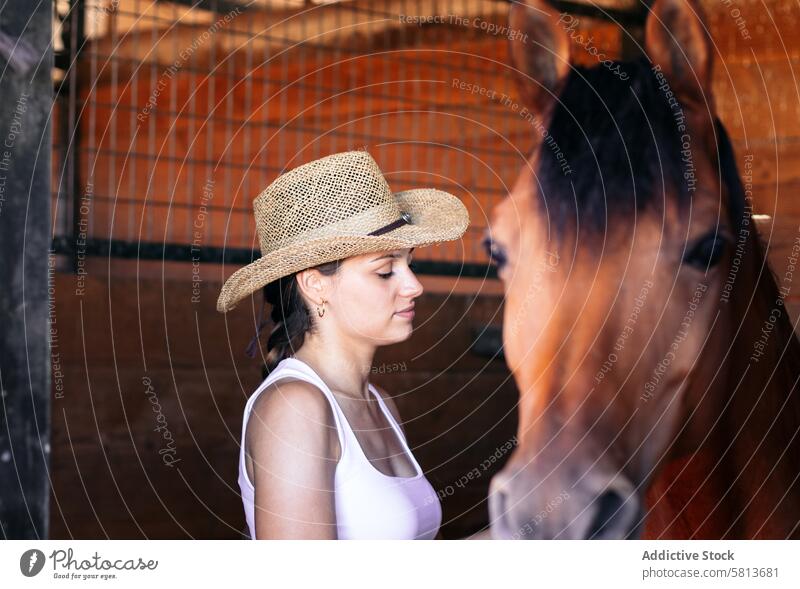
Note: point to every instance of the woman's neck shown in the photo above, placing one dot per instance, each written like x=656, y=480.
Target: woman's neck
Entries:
x=345, y=369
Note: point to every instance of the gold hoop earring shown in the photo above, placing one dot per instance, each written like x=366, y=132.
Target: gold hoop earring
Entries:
x=322, y=312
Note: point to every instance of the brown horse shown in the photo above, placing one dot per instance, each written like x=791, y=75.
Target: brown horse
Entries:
x=657, y=369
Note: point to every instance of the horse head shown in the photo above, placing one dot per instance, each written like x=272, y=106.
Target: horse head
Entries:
x=613, y=246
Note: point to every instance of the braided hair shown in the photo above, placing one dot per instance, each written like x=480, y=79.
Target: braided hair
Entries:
x=290, y=316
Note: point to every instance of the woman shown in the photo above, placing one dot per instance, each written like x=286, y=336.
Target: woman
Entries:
x=323, y=455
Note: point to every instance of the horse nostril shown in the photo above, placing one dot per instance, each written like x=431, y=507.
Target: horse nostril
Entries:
x=609, y=508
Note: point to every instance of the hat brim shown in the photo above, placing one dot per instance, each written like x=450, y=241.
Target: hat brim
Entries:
x=436, y=216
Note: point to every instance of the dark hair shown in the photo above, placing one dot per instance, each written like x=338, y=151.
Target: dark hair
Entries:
x=290, y=316
x=620, y=140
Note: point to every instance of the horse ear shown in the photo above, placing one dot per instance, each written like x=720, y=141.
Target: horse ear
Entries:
x=539, y=52
x=677, y=41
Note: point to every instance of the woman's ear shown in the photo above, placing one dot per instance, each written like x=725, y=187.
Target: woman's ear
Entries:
x=677, y=41
x=540, y=53
x=312, y=285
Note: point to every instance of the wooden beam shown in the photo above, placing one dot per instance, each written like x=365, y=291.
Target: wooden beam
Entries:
x=183, y=252
x=217, y=6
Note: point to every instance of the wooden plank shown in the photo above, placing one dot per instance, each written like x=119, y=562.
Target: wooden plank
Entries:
x=757, y=100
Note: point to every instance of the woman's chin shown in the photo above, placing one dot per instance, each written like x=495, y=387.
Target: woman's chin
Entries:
x=396, y=336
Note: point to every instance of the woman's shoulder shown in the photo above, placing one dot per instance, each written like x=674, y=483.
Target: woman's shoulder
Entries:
x=295, y=411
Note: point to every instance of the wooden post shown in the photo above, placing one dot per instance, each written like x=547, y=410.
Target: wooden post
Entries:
x=26, y=95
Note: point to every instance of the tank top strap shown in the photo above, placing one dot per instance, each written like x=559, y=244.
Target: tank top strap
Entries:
x=393, y=422
x=291, y=368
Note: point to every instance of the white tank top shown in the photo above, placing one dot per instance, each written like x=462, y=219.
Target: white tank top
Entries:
x=369, y=504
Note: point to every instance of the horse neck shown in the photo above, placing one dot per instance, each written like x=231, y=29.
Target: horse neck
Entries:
x=748, y=435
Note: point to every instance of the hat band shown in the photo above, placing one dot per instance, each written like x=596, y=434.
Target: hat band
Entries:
x=404, y=219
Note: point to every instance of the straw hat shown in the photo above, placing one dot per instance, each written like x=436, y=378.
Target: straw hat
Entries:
x=335, y=207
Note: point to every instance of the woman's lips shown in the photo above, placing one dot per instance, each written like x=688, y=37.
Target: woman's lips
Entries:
x=406, y=314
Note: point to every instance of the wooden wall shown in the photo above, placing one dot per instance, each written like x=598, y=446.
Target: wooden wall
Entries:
x=131, y=350
x=756, y=92
x=133, y=334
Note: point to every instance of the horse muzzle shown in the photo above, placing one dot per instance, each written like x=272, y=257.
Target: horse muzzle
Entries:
x=597, y=507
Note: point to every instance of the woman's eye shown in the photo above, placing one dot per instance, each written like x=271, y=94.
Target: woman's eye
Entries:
x=411, y=266
x=707, y=252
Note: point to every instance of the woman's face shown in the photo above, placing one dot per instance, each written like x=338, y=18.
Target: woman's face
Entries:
x=368, y=295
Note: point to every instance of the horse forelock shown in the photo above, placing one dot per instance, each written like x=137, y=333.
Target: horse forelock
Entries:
x=612, y=148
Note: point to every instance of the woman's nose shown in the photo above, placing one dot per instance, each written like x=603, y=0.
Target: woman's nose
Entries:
x=412, y=287
x=416, y=289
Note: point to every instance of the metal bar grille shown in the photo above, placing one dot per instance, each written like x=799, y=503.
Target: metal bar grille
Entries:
x=183, y=114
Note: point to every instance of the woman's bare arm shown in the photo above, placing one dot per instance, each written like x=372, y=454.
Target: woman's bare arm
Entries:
x=292, y=438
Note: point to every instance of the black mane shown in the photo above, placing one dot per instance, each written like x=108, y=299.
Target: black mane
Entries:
x=621, y=141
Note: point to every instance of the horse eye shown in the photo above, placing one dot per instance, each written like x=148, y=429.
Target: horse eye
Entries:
x=707, y=252
x=496, y=254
